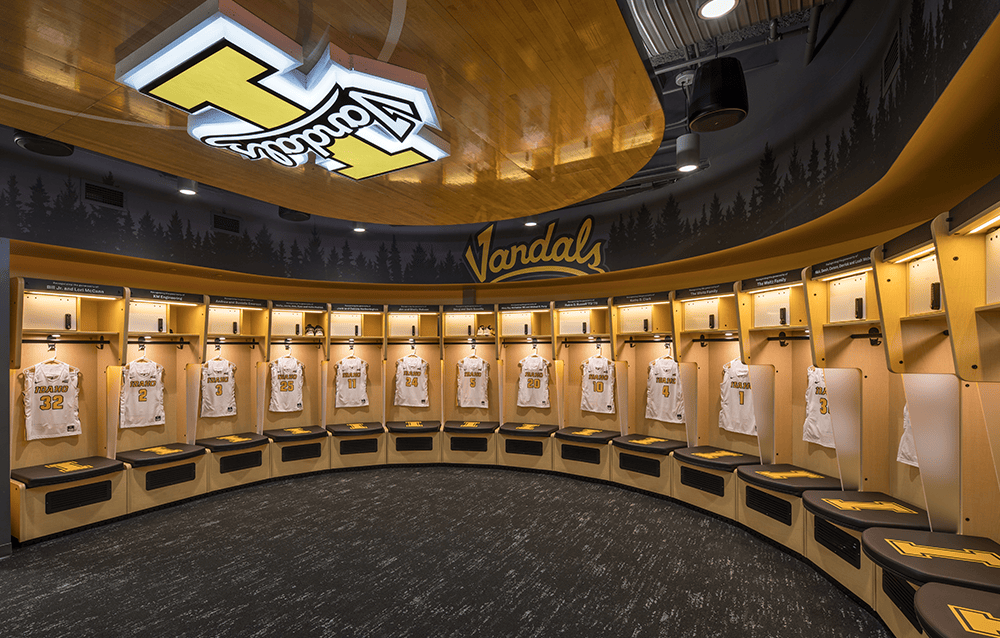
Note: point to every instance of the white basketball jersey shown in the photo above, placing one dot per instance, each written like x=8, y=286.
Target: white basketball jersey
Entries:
x=664, y=397
x=597, y=391
x=51, y=400
x=411, y=382
x=351, y=382
x=736, y=414
x=287, y=377
x=473, y=382
x=907, y=446
x=142, y=395
x=533, y=382
x=218, y=389
x=818, y=427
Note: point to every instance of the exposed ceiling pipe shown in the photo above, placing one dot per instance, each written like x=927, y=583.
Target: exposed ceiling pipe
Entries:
x=753, y=45
x=813, y=30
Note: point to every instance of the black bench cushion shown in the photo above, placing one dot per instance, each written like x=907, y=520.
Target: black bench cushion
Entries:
x=539, y=430
x=648, y=444
x=303, y=433
x=586, y=435
x=480, y=427
x=66, y=471
x=785, y=478
x=714, y=458
x=935, y=557
x=413, y=427
x=231, y=442
x=947, y=611
x=355, y=429
x=160, y=454
x=861, y=510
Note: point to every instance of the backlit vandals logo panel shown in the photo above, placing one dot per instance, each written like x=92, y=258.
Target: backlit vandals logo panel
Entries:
x=242, y=84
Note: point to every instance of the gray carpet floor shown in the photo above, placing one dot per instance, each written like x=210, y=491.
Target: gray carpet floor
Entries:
x=421, y=552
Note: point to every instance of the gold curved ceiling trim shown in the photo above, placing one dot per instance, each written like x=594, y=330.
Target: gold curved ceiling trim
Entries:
x=544, y=104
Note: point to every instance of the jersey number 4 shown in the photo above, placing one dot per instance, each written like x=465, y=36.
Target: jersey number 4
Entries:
x=666, y=390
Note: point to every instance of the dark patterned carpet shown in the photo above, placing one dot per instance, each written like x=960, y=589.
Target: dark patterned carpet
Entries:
x=421, y=552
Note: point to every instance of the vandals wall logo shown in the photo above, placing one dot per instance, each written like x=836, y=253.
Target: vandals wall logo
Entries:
x=548, y=255
x=241, y=83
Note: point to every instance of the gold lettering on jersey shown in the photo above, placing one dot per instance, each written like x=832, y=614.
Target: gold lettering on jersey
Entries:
x=149, y=383
x=586, y=432
x=789, y=475
x=597, y=377
x=51, y=389
x=222, y=379
x=718, y=454
x=161, y=450
x=879, y=506
x=974, y=621
x=536, y=375
x=666, y=380
x=288, y=375
x=649, y=440
x=412, y=373
x=572, y=254
x=820, y=390
x=740, y=385
x=350, y=375
x=232, y=438
x=909, y=548
x=69, y=466
x=473, y=374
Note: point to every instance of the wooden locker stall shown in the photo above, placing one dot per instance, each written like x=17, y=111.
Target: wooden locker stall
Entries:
x=526, y=433
x=582, y=329
x=706, y=329
x=866, y=405
x=167, y=328
x=239, y=332
x=774, y=331
x=299, y=439
x=642, y=330
x=358, y=431
x=414, y=432
x=62, y=482
x=469, y=433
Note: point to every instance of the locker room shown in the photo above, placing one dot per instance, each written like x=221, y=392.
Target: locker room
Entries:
x=646, y=318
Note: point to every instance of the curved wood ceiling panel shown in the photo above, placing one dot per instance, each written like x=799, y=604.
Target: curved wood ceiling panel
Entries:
x=544, y=103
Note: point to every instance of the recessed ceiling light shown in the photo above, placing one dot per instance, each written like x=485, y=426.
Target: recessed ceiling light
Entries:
x=531, y=223
x=358, y=228
x=42, y=145
x=713, y=9
x=187, y=186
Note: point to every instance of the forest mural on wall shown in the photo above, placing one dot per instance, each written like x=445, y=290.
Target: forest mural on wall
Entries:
x=42, y=203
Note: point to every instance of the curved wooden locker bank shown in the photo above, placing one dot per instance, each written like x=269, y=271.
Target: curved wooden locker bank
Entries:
x=881, y=323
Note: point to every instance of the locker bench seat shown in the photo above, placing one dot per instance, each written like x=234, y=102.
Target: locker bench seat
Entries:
x=237, y=459
x=471, y=427
x=526, y=445
x=647, y=444
x=861, y=510
x=355, y=429
x=288, y=435
x=233, y=442
x=714, y=458
x=160, y=454
x=935, y=557
x=947, y=611
x=414, y=442
x=584, y=452
x=539, y=430
x=643, y=462
x=704, y=476
x=412, y=427
x=586, y=435
x=785, y=478
x=66, y=471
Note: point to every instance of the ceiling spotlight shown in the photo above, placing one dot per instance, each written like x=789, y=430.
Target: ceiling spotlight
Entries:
x=292, y=215
x=358, y=228
x=530, y=222
x=187, y=186
x=42, y=145
x=714, y=9
x=688, y=152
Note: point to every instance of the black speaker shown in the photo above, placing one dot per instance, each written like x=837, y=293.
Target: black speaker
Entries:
x=718, y=96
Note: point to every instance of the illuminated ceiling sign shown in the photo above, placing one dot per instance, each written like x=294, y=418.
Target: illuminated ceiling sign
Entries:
x=243, y=86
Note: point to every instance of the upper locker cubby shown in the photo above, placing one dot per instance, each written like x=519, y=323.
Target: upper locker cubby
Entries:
x=299, y=322
x=67, y=312
x=911, y=304
x=532, y=320
x=239, y=320
x=581, y=318
x=361, y=322
x=420, y=323
x=159, y=317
